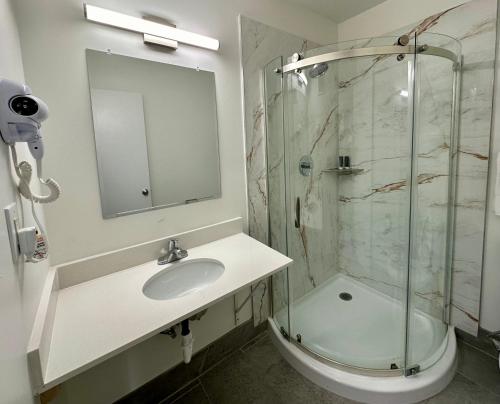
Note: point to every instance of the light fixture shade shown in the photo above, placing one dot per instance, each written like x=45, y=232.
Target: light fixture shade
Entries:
x=119, y=20
x=158, y=40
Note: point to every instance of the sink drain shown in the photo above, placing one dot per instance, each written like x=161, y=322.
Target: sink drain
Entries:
x=345, y=296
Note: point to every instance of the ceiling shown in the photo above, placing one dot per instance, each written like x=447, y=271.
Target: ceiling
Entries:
x=337, y=10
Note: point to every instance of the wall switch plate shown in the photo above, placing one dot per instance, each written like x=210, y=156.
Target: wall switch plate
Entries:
x=11, y=220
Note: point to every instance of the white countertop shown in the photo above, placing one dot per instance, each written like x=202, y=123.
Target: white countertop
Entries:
x=99, y=318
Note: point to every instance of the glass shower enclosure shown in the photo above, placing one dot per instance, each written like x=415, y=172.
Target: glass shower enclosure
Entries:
x=361, y=162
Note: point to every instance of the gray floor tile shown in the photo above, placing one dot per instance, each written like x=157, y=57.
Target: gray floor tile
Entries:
x=481, y=342
x=229, y=343
x=282, y=379
x=194, y=395
x=479, y=368
x=294, y=388
x=263, y=353
x=257, y=374
x=235, y=381
x=464, y=391
x=254, y=341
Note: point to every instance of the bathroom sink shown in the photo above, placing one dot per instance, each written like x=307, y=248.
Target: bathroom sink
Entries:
x=183, y=278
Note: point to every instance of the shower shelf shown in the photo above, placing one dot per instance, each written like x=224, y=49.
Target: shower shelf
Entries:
x=343, y=171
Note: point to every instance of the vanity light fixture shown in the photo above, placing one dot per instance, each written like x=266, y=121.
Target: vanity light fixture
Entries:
x=150, y=28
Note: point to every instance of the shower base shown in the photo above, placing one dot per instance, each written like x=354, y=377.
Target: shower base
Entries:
x=357, y=325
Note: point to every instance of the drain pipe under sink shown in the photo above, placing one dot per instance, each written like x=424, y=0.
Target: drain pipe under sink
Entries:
x=186, y=341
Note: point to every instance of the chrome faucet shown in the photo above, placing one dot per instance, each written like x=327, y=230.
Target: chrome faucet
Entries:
x=174, y=253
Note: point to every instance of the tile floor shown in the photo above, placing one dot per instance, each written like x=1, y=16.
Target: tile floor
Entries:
x=257, y=373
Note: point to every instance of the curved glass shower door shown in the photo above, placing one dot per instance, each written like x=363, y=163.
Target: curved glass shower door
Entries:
x=350, y=233
x=368, y=165
x=436, y=96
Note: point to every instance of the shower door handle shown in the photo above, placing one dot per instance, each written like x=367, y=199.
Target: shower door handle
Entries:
x=297, y=213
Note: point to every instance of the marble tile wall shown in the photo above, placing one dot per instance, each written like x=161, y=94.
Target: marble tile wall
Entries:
x=373, y=207
x=260, y=46
x=276, y=190
x=474, y=25
x=311, y=127
x=374, y=122
x=433, y=127
x=375, y=129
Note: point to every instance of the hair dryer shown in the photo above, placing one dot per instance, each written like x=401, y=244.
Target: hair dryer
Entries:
x=21, y=117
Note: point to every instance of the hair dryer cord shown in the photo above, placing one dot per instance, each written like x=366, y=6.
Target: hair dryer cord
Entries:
x=24, y=171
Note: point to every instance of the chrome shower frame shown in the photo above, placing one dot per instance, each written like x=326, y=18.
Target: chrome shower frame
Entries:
x=374, y=51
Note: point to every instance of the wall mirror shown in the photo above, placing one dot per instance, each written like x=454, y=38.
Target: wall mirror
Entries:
x=155, y=129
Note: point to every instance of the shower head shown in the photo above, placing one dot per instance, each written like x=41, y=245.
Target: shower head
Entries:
x=318, y=70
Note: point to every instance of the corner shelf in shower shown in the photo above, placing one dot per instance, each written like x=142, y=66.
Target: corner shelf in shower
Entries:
x=343, y=171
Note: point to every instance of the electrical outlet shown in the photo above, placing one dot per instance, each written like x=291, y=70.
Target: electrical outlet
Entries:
x=11, y=221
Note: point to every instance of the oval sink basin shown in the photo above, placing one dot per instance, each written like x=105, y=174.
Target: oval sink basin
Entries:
x=183, y=278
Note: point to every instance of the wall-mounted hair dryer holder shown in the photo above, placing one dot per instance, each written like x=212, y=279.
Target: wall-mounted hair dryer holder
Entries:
x=21, y=117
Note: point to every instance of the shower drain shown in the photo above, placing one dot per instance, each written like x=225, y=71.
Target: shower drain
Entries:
x=345, y=296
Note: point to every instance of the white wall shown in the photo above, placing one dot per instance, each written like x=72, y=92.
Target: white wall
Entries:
x=54, y=36
x=20, y=286
x=389, y=16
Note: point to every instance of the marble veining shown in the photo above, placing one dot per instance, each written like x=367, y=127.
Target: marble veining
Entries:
x=359, y=224
x=473, y=23
x=260, y=45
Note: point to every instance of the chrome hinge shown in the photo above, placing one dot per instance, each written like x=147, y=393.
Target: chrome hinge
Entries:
x=284, y=333
x=412, y=371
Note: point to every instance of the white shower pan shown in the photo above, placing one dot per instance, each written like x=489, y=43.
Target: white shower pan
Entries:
x=369, y=341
